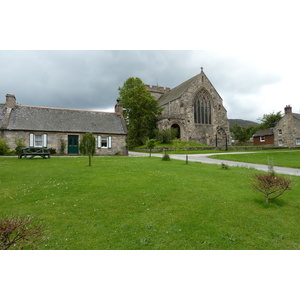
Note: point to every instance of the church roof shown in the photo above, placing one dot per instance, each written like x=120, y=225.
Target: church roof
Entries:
x=64, y=120
x=297, y=116
x=177, y=92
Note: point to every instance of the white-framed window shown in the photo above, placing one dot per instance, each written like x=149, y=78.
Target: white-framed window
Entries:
x=262, y=139
x=298, y=141
x=104, y=141
x=38, y=140
x=280, y=143
x=279, y=131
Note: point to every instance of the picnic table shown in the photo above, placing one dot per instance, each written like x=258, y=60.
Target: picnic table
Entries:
x=33, y=151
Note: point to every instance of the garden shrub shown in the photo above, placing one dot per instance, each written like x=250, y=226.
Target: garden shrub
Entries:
x=271, y=185
x=166, y=136
x=62, y=145
x=224, y=166
x=52, y=151
x=20, y=233
x=166, y=157
x=4, y=149
x=20, y=143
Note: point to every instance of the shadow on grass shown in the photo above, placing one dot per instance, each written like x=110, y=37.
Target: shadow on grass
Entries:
x=275, y=203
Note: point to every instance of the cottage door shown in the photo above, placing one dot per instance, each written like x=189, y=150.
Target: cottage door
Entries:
x=72, y=144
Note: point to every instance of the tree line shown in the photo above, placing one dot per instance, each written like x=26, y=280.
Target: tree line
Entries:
x=243, y=134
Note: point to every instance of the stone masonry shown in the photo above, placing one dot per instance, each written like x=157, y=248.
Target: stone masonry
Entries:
x=179, y=111
x=19, y=122
x=287, y=130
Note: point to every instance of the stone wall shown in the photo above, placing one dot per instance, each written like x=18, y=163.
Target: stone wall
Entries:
x=287, y=131
x=156, y=91
x=181, y=112
x=54, y=141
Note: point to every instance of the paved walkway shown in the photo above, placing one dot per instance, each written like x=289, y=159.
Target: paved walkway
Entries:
x=204, y=158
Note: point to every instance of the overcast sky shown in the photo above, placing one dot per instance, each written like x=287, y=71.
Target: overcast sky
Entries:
x=254, y=67
x=251, y=84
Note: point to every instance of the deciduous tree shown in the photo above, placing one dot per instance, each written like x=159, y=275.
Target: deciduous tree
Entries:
x=270, y=120
x=141, y=110
x=239, y=133
x=88, y=146
x=271, y=185
x=150, y=145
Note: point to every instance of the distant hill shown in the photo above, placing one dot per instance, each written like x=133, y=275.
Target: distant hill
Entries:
x=243, y=123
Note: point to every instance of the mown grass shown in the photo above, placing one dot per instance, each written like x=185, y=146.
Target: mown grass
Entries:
x=289, y=159
x=146, y=203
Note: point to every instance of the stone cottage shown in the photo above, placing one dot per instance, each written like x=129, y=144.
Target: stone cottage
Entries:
x=196, y=109
x=287, y=130
x=50, y=127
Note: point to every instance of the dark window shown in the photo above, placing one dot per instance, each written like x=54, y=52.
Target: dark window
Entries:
x=202, y=107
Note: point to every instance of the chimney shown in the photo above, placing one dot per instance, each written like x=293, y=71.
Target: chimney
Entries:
x=10, y=101
x=9, y=105
x=119, y=108
x=288, y=109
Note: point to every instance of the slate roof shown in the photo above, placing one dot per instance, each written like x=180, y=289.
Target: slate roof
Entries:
x=263, y=132
x=176, y=92
x=297, y=116
x=64, y=120
x=1, y=113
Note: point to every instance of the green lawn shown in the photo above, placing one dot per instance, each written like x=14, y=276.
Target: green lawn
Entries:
x=281, y=158
x=146, y=203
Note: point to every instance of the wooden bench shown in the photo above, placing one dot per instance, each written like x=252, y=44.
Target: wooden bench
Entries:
x=32, y=151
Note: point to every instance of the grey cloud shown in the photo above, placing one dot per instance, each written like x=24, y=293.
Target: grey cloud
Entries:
x=90, y=79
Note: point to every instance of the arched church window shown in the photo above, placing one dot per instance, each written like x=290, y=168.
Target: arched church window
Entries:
x=202, y=107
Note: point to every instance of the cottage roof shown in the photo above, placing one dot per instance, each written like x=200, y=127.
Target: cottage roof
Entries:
x=64, y=120
x=264, y=132
x=1, y=112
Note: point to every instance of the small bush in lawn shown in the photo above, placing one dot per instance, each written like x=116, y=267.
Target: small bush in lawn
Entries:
x=271, y=185
x=166, y=157
x=224, y=166
x=20, y=233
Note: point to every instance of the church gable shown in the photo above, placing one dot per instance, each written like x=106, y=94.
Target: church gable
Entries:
x=176, y=92
x=202, y=107
x=196, y=108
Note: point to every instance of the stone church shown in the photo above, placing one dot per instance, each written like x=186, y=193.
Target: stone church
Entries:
x=196, y=109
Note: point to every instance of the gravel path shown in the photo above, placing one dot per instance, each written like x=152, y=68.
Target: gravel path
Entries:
x=204, y=158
